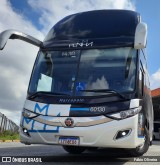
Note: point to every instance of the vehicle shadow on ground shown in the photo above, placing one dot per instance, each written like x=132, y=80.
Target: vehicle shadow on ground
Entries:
x=100, y=155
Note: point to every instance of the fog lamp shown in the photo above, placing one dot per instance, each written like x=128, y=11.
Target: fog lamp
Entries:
x=122, y=133
x=25, y=131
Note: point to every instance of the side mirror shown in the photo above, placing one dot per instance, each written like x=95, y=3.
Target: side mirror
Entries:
x=13, y=34
x=140, y=36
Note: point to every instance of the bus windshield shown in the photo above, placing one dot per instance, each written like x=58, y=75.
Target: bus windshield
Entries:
x=81, y=72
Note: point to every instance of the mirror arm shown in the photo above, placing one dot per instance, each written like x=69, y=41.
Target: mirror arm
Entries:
x=14, y=34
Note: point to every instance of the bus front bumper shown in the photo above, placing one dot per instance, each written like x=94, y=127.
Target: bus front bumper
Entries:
x=100, y=135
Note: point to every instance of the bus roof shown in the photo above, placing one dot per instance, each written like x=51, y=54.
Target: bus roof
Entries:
x=98, y=24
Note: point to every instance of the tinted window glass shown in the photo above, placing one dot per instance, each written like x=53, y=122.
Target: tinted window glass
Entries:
x=70, y=72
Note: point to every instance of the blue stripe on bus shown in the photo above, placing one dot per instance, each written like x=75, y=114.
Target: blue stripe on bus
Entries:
x=46, y=131
x=140, y=136
x=79, y=109
x=33, y=125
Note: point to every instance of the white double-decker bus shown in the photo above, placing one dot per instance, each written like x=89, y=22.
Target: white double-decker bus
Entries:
x=89, y=85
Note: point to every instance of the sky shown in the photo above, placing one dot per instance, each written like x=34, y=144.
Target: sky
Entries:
x=36, y=17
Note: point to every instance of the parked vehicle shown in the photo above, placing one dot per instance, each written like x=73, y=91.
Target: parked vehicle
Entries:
x=156, y=133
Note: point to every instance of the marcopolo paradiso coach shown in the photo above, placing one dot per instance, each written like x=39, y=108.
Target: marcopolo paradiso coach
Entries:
x=89, y=86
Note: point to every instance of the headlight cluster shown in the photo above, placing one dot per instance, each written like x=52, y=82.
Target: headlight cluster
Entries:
x=126, y=114
x=29, y=114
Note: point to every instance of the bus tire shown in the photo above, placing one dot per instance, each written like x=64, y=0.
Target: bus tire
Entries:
x=74, y=149
x=139, y=151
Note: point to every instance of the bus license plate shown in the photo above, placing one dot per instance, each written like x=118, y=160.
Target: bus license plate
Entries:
x=69, y=141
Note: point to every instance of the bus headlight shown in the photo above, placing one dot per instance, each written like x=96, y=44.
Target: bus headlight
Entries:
x=29, y=114
x=126, y=114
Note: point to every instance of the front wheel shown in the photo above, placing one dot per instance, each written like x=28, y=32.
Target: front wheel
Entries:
x=140, y=150
x=74, y=149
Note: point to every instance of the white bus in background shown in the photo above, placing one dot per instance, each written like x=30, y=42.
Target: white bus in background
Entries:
x=89, y=85
x=156, y=132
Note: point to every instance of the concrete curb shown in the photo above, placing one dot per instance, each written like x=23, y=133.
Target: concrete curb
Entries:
x=8, y=141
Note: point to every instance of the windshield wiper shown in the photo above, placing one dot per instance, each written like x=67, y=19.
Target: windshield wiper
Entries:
x=45, y=93
x=104, y=91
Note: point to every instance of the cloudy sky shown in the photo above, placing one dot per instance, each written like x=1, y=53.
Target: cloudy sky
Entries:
x=36, y=17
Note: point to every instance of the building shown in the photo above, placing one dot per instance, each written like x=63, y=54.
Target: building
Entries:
x=156, y=103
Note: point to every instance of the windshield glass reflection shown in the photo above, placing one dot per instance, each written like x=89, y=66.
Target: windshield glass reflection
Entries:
x=70, y=72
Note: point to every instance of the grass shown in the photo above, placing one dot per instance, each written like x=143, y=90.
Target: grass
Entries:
x=8, y=135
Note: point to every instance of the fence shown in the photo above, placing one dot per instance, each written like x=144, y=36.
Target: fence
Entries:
x=6, y=124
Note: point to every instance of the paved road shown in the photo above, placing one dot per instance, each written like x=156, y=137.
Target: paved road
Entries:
x=57, y=155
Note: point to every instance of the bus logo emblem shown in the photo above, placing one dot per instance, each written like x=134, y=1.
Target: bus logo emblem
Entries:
x=83, y=43
x=69, y=122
